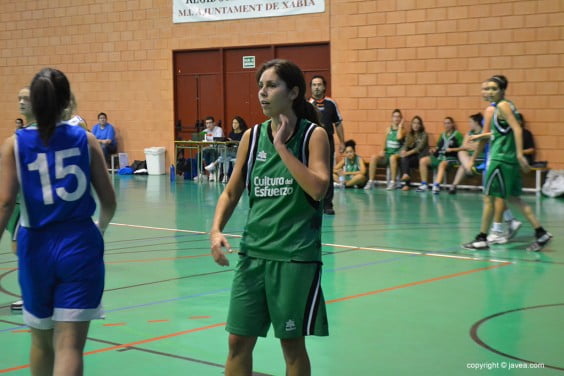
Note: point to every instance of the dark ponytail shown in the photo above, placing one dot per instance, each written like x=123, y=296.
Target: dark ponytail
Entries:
x=292, y=75
x=50, y=96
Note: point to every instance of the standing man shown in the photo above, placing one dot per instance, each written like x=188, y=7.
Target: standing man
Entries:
x=332, y=121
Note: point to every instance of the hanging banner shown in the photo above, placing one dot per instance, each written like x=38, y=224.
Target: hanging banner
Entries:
x=219, y=10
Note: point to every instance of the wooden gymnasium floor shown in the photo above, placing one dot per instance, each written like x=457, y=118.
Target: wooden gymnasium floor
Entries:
x=403, y=297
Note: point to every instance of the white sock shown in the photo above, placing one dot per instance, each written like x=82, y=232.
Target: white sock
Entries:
x=508, y=216
x=498, y=227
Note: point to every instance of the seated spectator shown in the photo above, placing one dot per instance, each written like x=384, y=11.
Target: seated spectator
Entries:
x=468, y=148
x=238, y=127
x=389, y=154
x=528, y=141
x=105, y=133
x=415, y=146
x=210, y=154
x=351, y=170
x=444, y=155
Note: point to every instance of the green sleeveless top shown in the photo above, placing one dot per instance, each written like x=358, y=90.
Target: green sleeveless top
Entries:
x=351, y=166
x=503, y=146
x=392, y=143
x=470, y=152
x=284, y=222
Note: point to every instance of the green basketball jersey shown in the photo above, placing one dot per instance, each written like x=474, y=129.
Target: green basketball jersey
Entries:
x=351, y=166
x=284, y=222
x=392, y=143
x=503, y=146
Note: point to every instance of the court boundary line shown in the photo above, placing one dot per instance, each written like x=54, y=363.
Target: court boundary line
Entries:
x=344, y=246
x=337, y=300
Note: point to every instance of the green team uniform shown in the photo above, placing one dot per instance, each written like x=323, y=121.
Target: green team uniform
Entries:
x=353, y=166
x=452, y=140
x=393, y=145
x=277, y=279
x=503, y=176
x=482, y=155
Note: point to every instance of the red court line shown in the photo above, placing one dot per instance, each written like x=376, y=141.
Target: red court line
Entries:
x=199, y=317
x=155, y=321
x=21, y=331
x=418, y=283
x=116, y=324
x=131, y=344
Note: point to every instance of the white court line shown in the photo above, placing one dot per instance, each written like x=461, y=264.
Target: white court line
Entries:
x=350, y=247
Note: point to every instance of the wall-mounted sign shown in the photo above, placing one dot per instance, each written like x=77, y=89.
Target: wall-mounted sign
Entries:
x=249, y=62
x=218, y=10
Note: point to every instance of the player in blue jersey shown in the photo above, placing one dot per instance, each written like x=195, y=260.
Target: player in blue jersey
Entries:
x=60, y=248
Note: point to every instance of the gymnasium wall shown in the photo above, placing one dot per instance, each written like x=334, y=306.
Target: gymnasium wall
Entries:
x=426, y=57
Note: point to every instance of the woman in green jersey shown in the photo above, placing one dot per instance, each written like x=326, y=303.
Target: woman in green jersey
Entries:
x=351, y=170
x=389, y=156
x=284, y=164
x=503, y=181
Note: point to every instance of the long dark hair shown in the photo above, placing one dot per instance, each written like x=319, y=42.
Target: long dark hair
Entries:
x=293, y=76
x=242, y=123
x=50, y=95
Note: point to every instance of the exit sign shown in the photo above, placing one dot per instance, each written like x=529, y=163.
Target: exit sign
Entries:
x=249, y=62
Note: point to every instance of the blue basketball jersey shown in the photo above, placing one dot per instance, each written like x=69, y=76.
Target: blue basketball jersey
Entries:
x=54, y=178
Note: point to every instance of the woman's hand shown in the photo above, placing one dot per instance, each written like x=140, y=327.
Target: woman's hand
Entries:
x=524, y=164
x=284, y=131
x=217, y=242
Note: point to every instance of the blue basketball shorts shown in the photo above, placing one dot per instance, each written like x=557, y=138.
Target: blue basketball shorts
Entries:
x=61, y=273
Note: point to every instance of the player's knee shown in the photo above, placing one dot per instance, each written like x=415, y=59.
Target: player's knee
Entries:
x=240, y=345
x=294, y=349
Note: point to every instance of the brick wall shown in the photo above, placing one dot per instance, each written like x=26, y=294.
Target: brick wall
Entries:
x=426, y=57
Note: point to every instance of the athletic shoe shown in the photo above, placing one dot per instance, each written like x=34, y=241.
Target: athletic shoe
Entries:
x=452, y=191
x=422, y=188
x=17, y=306
x=212, y=177
x=369, y=185
x=436, y=189
x=225, y=179
x=498, y=237
x=513, y=227
x=339, y=185
x=391, y=185
x=210, y=167
x=478, y=244
x=539, y=244
x=329, y=211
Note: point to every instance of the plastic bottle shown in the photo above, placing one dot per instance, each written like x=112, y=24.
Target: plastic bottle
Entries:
x=172, y=172
x=342, y=181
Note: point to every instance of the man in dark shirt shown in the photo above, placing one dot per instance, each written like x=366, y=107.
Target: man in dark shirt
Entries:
x=332, y=122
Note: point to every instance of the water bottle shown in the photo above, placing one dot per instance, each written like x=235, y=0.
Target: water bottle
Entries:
x=172, y=172
x=342, y=181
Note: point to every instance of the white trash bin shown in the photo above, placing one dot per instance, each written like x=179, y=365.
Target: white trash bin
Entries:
x=155, y=157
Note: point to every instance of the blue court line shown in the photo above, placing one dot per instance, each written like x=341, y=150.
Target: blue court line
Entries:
x=170, y=300
x=394, y=259
x=142, y=305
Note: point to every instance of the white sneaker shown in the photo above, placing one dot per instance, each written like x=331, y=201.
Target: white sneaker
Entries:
x=422, y=188
x=539, y=243
x=338, y=185
x=436, y=189
x=369, y=185
x=212, y=177
x=498, y=237
x=513, y=227
x=224, y=180
x=210, y=167
x=391, y=185
x=17, y=305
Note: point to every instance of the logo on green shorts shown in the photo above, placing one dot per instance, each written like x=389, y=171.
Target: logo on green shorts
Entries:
x=290, y=325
